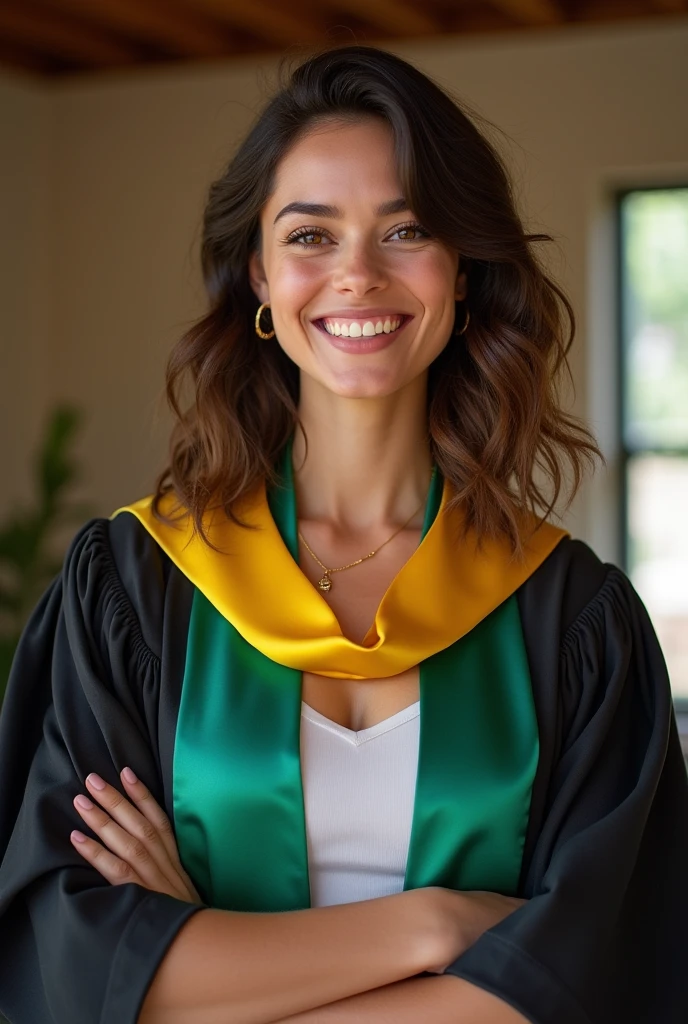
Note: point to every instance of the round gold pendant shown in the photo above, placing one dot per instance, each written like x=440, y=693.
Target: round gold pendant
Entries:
x=325, y=583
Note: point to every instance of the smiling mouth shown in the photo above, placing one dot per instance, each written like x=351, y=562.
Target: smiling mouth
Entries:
x=362, y=328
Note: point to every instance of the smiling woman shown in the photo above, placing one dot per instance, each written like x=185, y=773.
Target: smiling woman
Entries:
x=364, y=194
x=351, y=712
x=321, y=282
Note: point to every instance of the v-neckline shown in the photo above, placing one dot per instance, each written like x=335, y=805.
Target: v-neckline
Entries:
x=354, y=737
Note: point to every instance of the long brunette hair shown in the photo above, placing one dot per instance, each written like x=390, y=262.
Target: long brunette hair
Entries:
x=495, y=422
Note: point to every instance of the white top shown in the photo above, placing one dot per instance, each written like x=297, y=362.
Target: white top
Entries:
x=359, y=790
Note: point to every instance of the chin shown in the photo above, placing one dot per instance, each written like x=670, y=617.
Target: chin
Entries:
x=364, y=383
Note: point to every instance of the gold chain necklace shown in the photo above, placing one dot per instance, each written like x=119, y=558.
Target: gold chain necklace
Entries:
x=325, y=583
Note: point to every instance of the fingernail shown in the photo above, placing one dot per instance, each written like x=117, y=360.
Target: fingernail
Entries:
x=83, y=802
x=95, y=781
x=78, y=837
x=129, y=776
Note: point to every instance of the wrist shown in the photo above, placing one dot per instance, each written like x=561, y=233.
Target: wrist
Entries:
x=434, y=934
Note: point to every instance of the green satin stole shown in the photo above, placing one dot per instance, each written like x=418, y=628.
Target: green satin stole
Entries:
x=237, y=790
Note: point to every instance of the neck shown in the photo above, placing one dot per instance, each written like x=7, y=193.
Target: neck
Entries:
x=368, y=464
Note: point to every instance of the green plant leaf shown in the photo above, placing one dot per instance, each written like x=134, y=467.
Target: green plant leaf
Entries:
x=55, y=469
x=27, y=559
x=20, y=540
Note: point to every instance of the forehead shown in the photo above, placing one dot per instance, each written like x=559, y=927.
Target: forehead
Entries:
x=351, y=158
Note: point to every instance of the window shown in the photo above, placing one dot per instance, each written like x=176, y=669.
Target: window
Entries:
x=653, y=276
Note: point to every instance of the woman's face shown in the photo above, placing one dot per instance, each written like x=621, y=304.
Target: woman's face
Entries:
x=362, y=299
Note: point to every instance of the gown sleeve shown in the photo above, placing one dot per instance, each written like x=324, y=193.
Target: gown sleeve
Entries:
x=603, y=935
x=82, y=693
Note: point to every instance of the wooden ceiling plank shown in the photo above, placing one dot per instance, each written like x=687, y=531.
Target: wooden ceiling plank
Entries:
x=395, y=17
x=275, y=25
x=22, y=60
x=56, y=36
x=154, y=23
x=671, y=6
x=531, y=12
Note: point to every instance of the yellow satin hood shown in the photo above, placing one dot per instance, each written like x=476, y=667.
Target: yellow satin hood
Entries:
x=445, y=589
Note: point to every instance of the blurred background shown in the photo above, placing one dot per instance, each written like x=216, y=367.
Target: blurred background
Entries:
x=117, y=114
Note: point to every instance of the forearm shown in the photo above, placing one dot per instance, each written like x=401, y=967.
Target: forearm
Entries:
x=259, y=968
x=440, y=1000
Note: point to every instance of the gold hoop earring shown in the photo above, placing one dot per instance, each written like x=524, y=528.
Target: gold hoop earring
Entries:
x=259, y=331
x=468, y=320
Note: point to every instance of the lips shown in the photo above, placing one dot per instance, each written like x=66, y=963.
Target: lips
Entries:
x=348, y=334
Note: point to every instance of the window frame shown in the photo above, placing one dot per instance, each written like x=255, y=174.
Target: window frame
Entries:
x=624, y=450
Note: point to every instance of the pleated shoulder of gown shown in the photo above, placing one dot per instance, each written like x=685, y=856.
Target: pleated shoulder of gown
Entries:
x=84, y=696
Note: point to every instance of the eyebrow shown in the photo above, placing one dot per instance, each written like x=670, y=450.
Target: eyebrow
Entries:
x=322, y=210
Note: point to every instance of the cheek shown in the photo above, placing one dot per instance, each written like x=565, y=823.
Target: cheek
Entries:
x=294, y=283
x=430, y=276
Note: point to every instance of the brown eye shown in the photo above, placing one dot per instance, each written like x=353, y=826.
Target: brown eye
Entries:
x=308, y=237
x=410, y=233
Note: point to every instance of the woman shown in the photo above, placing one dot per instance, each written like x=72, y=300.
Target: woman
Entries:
x=416, y=745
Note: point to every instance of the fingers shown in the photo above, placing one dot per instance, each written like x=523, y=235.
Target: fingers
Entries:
x=128, y=835
x=152, y=811
x=112, y=868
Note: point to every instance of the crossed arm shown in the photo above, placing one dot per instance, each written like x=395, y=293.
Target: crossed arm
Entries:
x=320, y=972
x=442, y=1000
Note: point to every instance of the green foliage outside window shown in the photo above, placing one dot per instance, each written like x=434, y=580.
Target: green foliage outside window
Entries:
x=655, y=228
x=654, y=350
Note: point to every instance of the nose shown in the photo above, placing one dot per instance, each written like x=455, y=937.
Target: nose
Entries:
x=359, y=269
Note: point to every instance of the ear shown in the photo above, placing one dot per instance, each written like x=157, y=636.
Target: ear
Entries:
x=257, y=278
x=461, y=286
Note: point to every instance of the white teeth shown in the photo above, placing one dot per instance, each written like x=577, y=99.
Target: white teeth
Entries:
x=356, y=329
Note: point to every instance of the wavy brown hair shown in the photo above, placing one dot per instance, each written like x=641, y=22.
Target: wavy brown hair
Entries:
x=496, y=427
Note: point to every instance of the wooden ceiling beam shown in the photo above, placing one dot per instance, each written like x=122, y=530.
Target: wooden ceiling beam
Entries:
x=277, y=26
x=18, y=59
x=152, y=22
x=59, y=38
x=394, y=17
x=531, y=12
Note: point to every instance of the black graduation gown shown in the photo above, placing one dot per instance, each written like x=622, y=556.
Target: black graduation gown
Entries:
x=96, y=685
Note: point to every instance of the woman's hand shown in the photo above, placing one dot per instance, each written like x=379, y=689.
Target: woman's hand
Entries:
x=464, y=916
x=139, y=845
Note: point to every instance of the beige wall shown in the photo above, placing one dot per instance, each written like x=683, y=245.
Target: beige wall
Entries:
x=25, y=234
x=107, y=188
